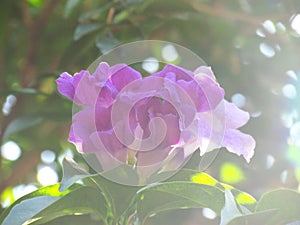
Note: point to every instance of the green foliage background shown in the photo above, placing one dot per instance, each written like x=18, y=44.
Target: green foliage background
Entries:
x=40, y=39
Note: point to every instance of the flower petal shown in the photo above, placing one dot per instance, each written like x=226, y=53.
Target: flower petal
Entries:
x=65, y=85
x=239, y=143
x=105, y=145
x=205, y=70
x=109, y=149
x=122, y=75
x=235, y=117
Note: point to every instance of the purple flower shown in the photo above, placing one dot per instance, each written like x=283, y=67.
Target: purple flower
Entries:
x=154, y=122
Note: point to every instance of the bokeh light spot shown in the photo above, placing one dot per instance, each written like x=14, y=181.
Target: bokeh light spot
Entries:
x=150, y=65
x=283, y=176
x=48, y=156
x=7, y=197
x=270, y=161
x=169, y=53
x=239, y=100
x=256, y=114
x=280, y=26
x=289, y=91
x=295, y=134
x=11, y=151
x=266, y=50
x=292, y=74
x=8, y=104
x=293, y=154
x=231, y=173
x=260, y=33
x=208, y=213
x=47, y=176
x=295, y=24
x=21, y=190
x=288, y=118
x=269, y=26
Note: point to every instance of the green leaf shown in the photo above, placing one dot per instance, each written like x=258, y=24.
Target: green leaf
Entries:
x=105, y=44
x=230, y=209
x=203, y=178
x=120, y=196
x=199, y=177
x=287, y=202
x=95, y=13
x=207, y=159
x=293, y=154
x=36, y=3
x=189, y=175
x=72, y=172
x=23, y=211
x=85, y=200
x=70, y=6
x=123, y=15
x=27, y=91
x=88, y=219
x=294, y=223
x=8, y=196
x=84, y=29
x=117, y=195
x=244, y=198
x=178, y=194
x=38, y=199
x=262, y=217
x=19, y=124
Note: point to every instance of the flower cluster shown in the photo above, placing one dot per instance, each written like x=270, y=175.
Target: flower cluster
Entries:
x=154, y=122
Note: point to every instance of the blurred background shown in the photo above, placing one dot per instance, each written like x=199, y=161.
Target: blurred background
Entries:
x=252, y=46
